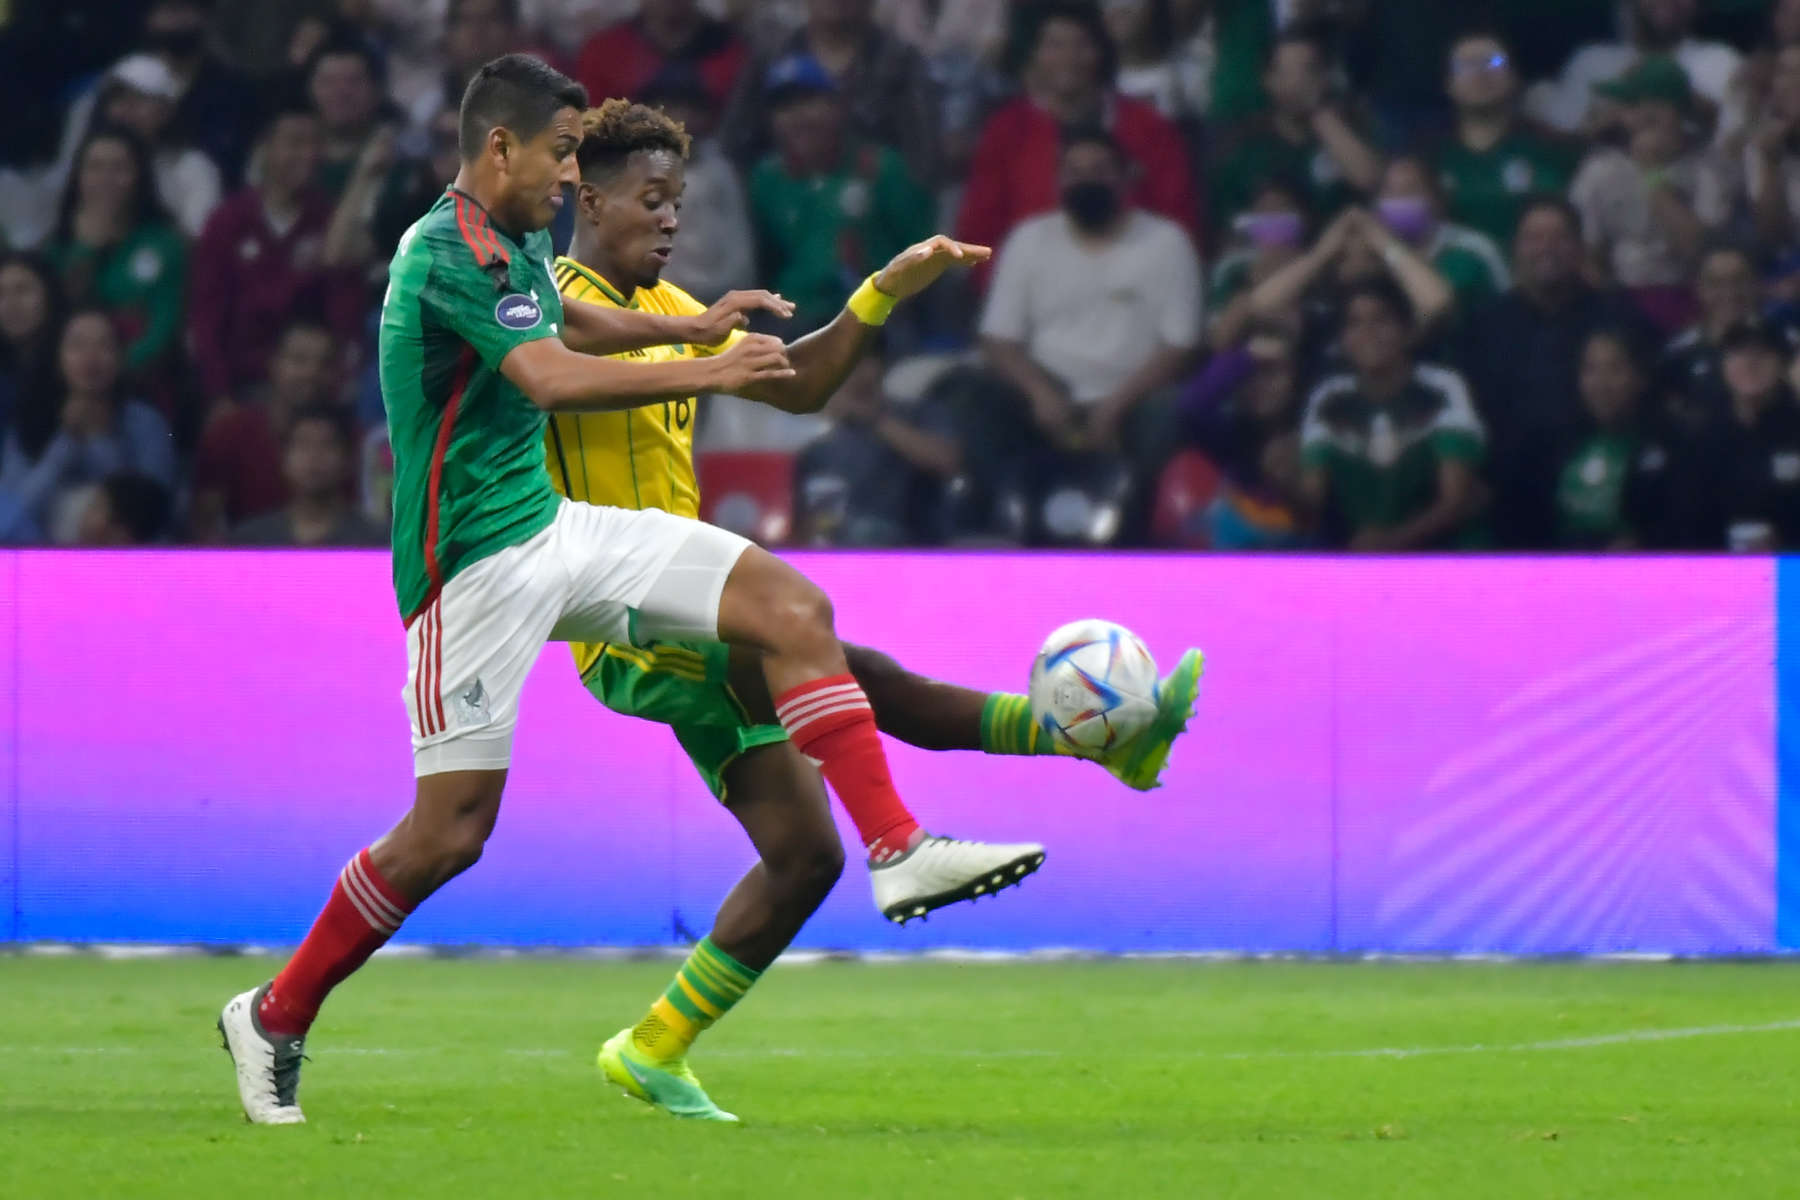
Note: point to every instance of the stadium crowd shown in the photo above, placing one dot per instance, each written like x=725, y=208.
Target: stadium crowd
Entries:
x=1270, y=273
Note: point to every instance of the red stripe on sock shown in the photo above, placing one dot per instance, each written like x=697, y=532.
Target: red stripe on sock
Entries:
x=831, y=722
x=352, y=926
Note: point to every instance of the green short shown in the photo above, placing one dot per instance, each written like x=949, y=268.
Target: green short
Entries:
x=685, y=686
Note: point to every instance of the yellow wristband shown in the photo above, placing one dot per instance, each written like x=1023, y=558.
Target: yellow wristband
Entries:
x=869, y=304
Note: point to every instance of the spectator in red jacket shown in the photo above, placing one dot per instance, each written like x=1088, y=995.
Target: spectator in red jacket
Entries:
x=259, y=260
x=1067, y=81
x=621, y=60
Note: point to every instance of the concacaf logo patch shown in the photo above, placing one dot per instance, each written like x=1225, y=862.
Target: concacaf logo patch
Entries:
x=518, y=311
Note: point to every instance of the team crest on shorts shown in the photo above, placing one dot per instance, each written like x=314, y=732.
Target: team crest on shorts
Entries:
x=471, y=705
x=518, y=311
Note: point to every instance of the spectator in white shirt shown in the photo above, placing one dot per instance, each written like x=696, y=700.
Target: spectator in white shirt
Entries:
x=1094, y=312
x=1658, y=27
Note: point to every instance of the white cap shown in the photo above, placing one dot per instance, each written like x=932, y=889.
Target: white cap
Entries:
x=148, y=74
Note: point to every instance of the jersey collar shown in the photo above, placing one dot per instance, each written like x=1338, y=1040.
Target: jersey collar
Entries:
x=606, y=289
x=487, y=218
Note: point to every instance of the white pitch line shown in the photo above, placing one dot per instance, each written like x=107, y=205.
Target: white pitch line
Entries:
x=1592, y=1041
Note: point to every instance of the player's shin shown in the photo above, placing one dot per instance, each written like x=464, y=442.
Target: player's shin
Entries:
x=363, y=912
x=830, y=722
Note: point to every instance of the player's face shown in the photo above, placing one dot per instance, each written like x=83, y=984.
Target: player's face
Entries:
x=108, y=174
x=1374, y=338
x=89, y=355
x=1609, y=382
x=637, y=214
x=535, y=171
x=24, y=303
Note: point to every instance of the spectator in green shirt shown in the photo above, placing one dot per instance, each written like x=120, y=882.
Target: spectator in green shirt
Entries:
x=1302, y=135
x=827, y=209
x=115, y=246
x=1389, y=448
x=1611, y=484
x=1412, y=208
x=1495, y=161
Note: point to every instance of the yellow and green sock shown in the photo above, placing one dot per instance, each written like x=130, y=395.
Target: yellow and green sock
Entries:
x=703, y=990
x=1008, y=728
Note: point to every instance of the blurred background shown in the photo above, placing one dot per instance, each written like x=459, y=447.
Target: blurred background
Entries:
x=1514, y=274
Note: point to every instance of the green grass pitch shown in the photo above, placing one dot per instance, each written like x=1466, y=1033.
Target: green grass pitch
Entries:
x=452, y=1078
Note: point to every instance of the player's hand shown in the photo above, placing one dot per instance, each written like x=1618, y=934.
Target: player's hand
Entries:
x=731, y=312
x=756, y=357
x=918, y=267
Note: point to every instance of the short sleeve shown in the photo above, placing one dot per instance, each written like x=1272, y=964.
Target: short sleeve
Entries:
x=469, y=302
x=1458, y=433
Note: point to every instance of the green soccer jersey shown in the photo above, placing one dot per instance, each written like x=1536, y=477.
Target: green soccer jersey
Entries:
x=469, y=476
x=1486, y=190
x=1381, y=458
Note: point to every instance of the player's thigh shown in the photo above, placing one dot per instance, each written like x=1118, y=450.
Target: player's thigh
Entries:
x=642, y=575
x=779, y=798
x=468, y=653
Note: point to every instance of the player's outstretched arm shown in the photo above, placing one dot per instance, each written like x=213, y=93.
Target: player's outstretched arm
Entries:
x=557, y=379
x=598, y=329
x=823, y=358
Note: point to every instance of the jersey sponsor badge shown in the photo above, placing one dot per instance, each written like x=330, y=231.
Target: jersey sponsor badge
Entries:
x=518, y=311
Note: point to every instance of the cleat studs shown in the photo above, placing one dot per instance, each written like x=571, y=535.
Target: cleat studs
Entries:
x=980, y=888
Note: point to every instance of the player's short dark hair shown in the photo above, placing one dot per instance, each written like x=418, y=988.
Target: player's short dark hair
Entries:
x=1385, y=292
x=516, y=92
x=1553, y=201
x=1094, y=135
x=334, y=416
x=1086, y=15
x=139, y=503
x=616, y=129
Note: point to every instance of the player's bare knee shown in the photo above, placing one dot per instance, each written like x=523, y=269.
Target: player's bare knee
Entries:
x=807, y=619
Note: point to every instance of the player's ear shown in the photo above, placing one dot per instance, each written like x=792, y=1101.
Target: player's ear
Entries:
x=589, y=200
x=499, y=144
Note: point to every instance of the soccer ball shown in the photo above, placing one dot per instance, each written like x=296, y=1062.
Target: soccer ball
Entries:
x=1094, y=686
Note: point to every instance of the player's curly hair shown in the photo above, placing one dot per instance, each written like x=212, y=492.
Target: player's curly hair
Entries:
x=616, y=129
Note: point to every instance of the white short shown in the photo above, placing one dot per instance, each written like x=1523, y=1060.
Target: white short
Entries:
x=594, y=575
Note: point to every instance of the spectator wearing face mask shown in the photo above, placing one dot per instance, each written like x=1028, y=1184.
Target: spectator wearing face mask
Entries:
x=217, y=111
x=1094, y=313
x=1265, y=237
x=1304, y=135
x=1411, y=207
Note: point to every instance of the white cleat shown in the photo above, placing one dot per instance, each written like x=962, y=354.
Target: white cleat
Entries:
x=268, y=1065
x=941, y=870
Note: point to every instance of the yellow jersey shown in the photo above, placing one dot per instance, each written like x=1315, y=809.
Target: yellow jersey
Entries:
x=637, y=457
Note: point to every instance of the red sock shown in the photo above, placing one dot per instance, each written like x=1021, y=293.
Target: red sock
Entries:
x=831, y=723
x=363, y=913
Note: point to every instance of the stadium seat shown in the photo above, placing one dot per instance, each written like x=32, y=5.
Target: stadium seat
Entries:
x=1188, y=484
x=750, y=492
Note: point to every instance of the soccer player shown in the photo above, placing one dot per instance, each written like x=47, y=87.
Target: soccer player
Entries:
x=489, y=563
x=631, y=159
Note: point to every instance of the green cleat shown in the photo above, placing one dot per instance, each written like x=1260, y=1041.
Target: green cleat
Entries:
x=668, y=1086
x=1139, y=762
